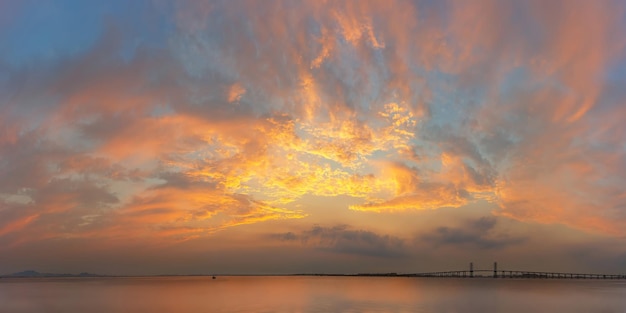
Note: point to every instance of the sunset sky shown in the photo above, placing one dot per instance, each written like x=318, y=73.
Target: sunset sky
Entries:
x=269, y=137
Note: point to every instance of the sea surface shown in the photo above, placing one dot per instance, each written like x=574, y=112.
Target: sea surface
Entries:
x=309, y=294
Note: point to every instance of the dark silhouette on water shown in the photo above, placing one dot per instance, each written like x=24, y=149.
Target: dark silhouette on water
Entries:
x=471, y=273
x=515, y=274
x=35, y=274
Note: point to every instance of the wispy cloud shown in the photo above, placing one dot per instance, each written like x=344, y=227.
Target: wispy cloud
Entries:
x=473, y=234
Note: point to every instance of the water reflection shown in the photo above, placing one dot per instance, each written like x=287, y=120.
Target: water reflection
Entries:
x=309, y=294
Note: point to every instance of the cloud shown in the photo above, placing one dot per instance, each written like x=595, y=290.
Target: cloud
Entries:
x=237, y=110
x=344, y=239
x=479, y=233
x=419, y=190
x=235, y=93
x=188, y=208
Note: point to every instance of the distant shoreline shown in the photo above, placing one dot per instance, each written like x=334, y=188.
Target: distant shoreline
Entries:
x=34, y=274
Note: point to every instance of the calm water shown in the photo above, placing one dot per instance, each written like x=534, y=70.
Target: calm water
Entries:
x=309, y=294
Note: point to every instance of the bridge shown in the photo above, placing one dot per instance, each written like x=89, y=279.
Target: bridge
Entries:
x=495, y=273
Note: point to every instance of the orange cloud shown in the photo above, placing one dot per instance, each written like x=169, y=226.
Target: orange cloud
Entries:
x=192, y=212
x=17, y=225
x=413, y=191
x=235, y=92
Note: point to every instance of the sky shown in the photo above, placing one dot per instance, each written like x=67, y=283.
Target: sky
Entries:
x=274, y=137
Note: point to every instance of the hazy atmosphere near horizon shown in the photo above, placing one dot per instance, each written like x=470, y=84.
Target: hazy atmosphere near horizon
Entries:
x=274, y=137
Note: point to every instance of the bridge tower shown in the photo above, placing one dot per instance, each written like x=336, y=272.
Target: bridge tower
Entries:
x=495, y=269
x=471, y=269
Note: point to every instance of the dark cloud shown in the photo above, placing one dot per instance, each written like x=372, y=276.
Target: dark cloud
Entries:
x=479, y=233
x=344, y=239
x=180, y=181
x=26, y=160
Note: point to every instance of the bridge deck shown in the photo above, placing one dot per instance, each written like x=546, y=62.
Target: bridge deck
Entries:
x=518, y=274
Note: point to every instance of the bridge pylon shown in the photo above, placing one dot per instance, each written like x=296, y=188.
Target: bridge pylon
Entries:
x=495, y=269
